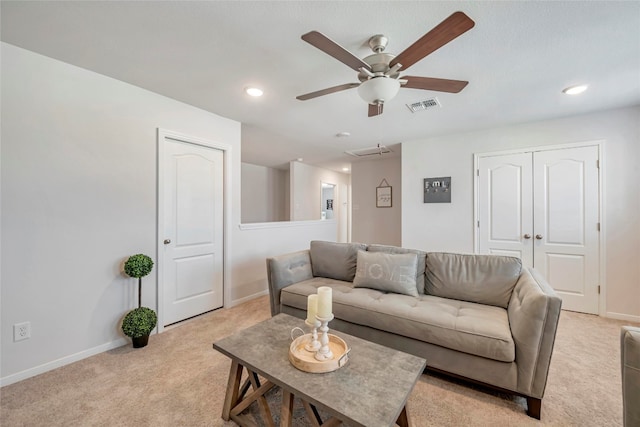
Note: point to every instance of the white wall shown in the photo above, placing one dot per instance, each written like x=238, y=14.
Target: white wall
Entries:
x=79, y=195
x=259, y=241
x=371, y=224
x=265, y=194
x=449, y=227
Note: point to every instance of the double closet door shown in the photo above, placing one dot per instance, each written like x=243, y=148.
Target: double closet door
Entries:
x=543, y=207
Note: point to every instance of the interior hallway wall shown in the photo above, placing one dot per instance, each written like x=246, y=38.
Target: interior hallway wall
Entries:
x=265, y=194
x=306, y=194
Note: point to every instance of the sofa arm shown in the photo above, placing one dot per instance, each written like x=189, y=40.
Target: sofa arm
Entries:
x=534, y=311
x=285, y=270
x=630, y=364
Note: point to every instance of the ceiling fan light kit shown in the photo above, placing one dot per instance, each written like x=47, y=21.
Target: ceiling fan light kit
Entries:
x=379, y=74
x=378, y=90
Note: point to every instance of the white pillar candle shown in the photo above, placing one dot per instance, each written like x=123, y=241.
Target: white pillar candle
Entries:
x=312, y=308
x=324, y=301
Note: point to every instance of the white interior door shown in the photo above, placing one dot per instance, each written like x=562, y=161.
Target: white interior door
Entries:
x=505, y=214
x=566, y=224
x=543, y=207
x=193, y=230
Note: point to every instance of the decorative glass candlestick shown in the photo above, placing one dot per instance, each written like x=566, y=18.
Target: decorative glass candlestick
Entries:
x=324, y=352
x=314, y=344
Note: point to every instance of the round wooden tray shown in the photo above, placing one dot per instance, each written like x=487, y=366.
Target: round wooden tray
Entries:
x=306, y=361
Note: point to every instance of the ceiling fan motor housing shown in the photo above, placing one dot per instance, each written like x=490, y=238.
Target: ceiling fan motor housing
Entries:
x=379, y=63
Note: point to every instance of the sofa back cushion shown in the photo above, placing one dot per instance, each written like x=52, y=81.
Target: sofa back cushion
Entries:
x=484, y=279
x=386, y=272
x=422, y=258
x=335, y=260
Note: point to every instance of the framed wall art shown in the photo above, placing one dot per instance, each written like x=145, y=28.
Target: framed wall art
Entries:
x=383, y=195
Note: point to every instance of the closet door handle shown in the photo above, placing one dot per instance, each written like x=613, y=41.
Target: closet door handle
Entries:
x=527, y=236
x=539, y=236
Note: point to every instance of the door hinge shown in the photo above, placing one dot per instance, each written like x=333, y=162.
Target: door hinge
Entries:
x=478, y=224
x=598, y=289
x=477, y=172
x=598, y=226
x=598, y=164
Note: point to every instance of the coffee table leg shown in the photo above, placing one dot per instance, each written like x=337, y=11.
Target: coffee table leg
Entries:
x=403, y=418
x=287, y=409
x=233, y=389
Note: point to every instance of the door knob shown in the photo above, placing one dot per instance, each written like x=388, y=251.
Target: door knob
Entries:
x=527, y=236
x=539, y=236
x=167, y=241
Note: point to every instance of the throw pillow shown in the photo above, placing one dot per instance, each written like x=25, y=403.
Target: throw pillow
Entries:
x=387, y=272
x=422, y=258
x=334, y=260
x=485, y=279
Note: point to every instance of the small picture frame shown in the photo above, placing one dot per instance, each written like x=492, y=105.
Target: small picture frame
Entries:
x=383, y=197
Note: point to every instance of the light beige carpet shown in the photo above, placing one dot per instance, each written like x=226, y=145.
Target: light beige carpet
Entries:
x=179, y=380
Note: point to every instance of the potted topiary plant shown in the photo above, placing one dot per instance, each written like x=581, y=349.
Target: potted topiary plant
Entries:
x=139, y=322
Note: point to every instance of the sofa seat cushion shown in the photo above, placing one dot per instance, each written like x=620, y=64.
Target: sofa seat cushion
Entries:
x=477, y=329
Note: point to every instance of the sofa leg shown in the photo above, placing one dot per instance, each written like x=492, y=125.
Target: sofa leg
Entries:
x=534, y=406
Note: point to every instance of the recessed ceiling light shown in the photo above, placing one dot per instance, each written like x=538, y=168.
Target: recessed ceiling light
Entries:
x=343, y=134
x=253, y=91
x=574, y=90
x=299, y=159
x=345, y=169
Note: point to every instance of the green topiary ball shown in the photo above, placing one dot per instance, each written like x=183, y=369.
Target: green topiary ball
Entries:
x=138, y=265
x=139, y=322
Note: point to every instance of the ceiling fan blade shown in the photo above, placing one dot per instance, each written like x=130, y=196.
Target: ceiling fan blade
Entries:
x=452, y=27
x=327, y=91
x=375, y=110
x=332, y=48
x=430, y=83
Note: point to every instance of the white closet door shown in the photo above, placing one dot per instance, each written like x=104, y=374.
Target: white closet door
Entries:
x=566, y=219
x=505, y=212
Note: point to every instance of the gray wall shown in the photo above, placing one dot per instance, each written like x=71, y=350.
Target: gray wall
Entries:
x=371, y=224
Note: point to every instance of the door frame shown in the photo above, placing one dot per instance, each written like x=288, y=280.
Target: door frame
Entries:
x=602, y=300
x=226, y=149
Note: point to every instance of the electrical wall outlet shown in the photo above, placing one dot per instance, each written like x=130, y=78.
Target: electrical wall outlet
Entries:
x=21, y=331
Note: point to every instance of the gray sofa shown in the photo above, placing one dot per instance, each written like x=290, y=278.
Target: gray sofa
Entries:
x=483, y=318
x=630, y=364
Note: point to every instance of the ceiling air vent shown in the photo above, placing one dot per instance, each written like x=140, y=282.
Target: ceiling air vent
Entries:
x=424, y=105
x=372, y=151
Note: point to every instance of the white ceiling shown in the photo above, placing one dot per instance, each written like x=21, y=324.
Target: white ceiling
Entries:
x=517, y=58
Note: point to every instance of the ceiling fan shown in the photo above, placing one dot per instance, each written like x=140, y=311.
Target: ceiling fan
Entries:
x=379, y=74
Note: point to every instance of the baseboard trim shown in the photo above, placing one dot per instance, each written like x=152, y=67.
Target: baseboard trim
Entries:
x=49, y=366
x=621, y=316
x=248, y=298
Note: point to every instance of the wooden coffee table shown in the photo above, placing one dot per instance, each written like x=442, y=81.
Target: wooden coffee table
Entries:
x=370, y=390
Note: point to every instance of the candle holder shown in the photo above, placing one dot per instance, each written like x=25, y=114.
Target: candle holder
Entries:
x=314, y=344
x=324, y=352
